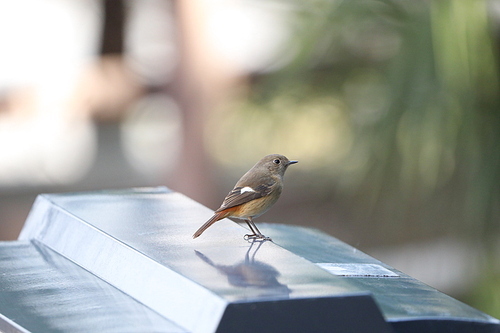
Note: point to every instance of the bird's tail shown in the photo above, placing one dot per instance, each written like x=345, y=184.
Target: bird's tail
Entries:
x=217, y=216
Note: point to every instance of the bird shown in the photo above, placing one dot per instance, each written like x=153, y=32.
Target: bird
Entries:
x=253, y=195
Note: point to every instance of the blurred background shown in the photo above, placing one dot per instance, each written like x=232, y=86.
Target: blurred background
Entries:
x=391, y=107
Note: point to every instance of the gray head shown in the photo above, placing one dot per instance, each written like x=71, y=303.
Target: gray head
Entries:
x=275, y=163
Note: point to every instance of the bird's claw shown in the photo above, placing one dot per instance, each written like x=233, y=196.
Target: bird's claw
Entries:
x=256, y=237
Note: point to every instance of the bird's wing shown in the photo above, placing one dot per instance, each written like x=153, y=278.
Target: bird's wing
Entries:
x=242, y=194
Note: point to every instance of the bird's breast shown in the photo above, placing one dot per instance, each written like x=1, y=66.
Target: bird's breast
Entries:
x=256, y=207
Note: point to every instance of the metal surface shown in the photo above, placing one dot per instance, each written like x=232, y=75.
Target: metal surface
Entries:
x=40, y=291
x=139, y=241
x=408, y=304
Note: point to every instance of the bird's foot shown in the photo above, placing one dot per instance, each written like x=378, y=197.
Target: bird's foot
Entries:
x=256, y=237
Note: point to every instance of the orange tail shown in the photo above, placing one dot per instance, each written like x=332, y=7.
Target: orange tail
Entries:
x=217, y=216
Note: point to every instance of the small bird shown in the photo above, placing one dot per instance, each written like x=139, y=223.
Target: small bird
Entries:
x=253, y=194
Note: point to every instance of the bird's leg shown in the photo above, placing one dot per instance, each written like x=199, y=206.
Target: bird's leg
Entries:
x=252, y=236
x=256, y=232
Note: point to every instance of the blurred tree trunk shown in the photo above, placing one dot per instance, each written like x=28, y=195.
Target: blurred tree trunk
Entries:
x=201, y=81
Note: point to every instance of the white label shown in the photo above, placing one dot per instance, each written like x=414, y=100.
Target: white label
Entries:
x=357, y=270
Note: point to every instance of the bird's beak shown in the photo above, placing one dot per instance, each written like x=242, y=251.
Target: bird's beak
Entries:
x=292, y=162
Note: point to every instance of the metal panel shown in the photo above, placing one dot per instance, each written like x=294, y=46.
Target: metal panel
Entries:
x=140, y=242
x=41, y=291
x=408, y=304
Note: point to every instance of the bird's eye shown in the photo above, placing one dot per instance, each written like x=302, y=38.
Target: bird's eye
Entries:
x=277, y=161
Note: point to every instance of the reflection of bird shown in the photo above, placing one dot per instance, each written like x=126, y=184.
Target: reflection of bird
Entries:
x=250, y=273
x=253, y=194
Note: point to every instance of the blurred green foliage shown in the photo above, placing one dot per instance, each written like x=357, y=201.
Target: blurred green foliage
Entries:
x=396, y=103
x=413, y=87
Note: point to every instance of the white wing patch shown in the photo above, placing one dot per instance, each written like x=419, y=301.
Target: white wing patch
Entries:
x=246, y=189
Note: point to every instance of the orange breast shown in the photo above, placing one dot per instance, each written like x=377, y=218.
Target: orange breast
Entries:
x=253, y=208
